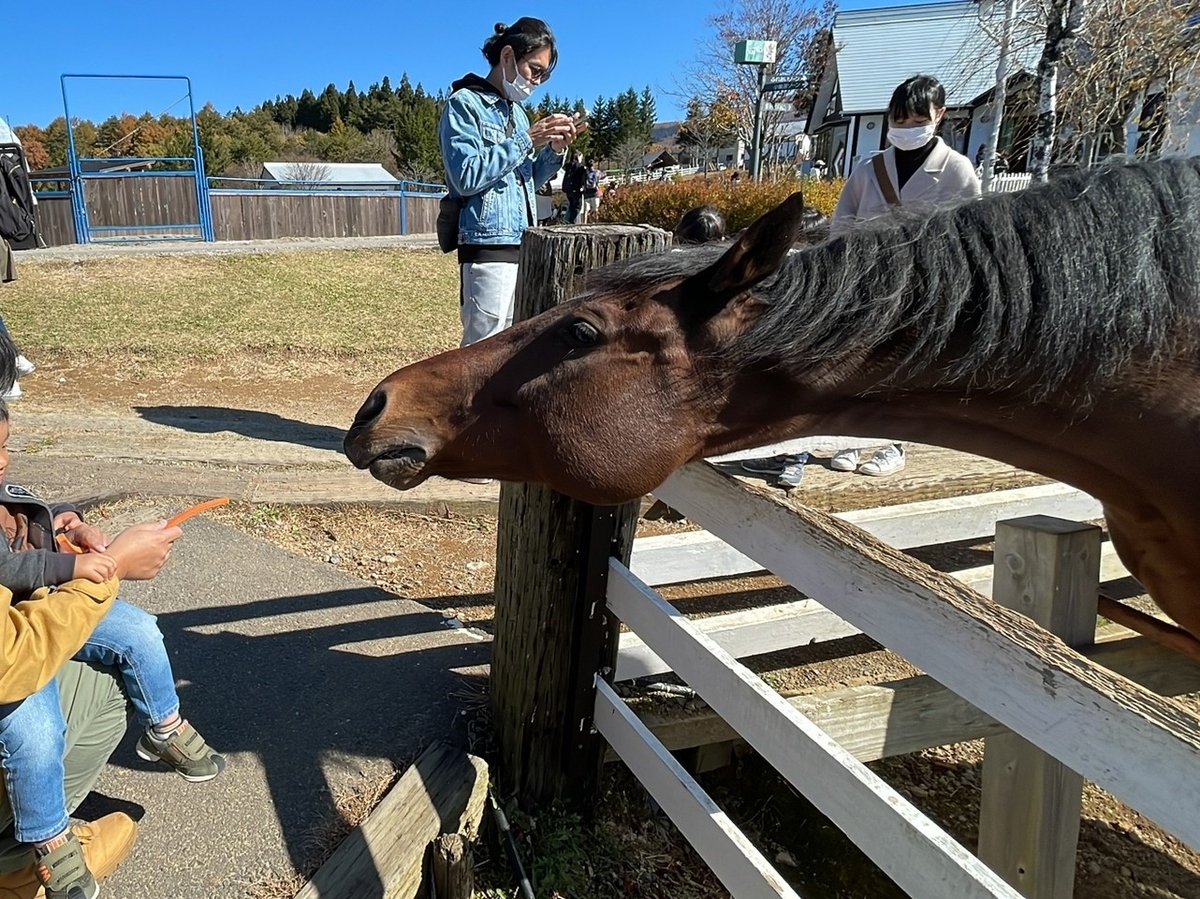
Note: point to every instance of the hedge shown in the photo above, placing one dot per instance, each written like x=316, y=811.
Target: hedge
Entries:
x=661, y=203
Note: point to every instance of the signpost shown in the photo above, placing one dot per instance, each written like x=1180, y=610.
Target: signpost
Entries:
x=761, y=54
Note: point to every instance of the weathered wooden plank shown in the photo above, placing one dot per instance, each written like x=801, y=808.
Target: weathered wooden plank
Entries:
x=732, y=857
x=385, y=855
x=918, y=855
x=1095, y=722
x=899, y=717
x=552, y=629
x=798, y=623
x=1030, y=803
x=676, y=558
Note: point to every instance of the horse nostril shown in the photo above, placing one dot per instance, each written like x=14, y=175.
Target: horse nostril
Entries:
x=370, y=410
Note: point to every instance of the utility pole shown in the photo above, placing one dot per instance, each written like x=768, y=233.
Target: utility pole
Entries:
x=759, y=103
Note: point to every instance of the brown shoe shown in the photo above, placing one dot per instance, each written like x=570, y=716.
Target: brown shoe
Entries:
x=105, y=843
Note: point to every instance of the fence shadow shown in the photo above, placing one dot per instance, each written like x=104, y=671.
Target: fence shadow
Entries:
x=247, y=422
x=309, y=700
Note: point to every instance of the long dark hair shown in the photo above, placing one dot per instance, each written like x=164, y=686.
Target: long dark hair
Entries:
x=526, y=35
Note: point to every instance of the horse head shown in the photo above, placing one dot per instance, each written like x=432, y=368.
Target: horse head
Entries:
x=601, y=397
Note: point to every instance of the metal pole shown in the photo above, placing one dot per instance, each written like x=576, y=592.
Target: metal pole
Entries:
x=756, y=159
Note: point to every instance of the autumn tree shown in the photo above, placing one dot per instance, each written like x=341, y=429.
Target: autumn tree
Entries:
x=800, y=30
x=710, y=125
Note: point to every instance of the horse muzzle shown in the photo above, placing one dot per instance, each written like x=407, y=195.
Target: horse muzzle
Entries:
x=398, y=463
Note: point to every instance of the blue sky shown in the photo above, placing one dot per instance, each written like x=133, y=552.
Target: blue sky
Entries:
x=238, y=54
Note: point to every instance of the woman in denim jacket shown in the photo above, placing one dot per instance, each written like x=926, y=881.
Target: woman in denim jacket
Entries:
x=495, y=161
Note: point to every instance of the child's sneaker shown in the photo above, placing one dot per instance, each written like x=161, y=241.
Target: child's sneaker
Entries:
x=184, y=752
x=64, y=873
x=793, y=472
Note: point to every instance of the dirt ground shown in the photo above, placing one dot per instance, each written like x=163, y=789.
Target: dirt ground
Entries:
x=446, y=561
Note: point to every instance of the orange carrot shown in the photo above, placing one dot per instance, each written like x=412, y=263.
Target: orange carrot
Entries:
x=66, y=545
x=197, y=509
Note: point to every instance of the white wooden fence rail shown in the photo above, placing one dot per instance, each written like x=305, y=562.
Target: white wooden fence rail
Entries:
x=918, y=855
x=732, y=857
x=675, y=558
x=1138, y=746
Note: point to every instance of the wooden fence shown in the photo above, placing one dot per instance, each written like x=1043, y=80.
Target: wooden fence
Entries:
x=157, y=200
x=997, y=673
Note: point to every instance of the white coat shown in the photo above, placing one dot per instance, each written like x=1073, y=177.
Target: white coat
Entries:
x=945, y=176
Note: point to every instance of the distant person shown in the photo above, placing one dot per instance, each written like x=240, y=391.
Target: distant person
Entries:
x=592, y=181
x=918, y=170
x=33, y=745
x=17, y=225
x=573, y=179
x=494, y=162
x=735, y=179
x=703, y=224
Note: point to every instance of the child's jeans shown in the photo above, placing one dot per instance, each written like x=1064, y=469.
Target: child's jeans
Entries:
x=33, y=732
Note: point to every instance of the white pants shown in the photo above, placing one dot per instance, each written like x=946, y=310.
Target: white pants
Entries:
x=486, y=298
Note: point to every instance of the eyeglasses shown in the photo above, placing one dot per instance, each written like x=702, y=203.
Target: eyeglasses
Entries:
x=537, y=74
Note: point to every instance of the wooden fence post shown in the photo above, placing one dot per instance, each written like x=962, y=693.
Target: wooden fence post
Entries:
x=553, y=631
x=1048, y=569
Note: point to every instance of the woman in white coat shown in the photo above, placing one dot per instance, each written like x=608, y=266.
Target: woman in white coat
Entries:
x=918, y=169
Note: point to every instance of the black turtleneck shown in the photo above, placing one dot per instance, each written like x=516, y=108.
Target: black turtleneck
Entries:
x=908, y=161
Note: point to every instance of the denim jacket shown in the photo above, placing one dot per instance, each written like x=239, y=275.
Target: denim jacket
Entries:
x=491, y=163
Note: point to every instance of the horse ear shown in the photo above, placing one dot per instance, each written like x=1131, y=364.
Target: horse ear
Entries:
x=756, y=255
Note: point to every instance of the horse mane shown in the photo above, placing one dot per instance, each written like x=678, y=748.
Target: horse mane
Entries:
x=1049, y=290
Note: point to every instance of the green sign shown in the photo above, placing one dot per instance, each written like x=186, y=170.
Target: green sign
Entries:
x=754, y=52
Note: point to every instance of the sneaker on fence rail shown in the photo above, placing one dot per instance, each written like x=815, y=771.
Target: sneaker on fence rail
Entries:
x=793, y=472
x=24, y=366
x=846, y=459
x=887, y=460
x=774, y=465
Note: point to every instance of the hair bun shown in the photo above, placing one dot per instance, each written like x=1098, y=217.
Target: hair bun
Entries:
x=501, y=28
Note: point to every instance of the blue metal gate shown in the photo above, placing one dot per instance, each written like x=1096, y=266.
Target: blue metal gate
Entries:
x=184, y=212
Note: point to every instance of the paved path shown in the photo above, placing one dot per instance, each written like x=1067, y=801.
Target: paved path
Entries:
x=248, y=456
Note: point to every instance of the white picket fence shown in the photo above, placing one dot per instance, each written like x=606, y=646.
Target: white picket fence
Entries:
x=1130, y=741
x=1010, y=182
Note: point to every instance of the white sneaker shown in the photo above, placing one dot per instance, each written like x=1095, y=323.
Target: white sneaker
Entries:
x=887, y=460
x=14, y=392
x=846, y=460
x=24, y=366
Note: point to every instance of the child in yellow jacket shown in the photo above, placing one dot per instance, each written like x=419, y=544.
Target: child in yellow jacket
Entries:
x=32, y=729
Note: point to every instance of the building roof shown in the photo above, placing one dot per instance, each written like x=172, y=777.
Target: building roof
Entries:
x=879, y=48
x=330, y=172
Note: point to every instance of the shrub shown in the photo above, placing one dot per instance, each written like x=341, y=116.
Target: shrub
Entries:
x=661, y=203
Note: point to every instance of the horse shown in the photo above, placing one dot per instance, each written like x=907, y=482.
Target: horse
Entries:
x=1056, y=329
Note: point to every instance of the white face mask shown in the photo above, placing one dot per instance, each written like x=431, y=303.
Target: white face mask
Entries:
x=519, y=89
x=912, y=138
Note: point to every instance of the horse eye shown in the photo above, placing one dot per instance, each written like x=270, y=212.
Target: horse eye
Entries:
x=581, y=333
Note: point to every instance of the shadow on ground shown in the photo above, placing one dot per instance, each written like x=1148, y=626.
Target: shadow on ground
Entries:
x=248, y=422
x=312, y=684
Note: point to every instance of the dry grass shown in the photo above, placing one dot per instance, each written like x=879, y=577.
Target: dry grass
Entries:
x=324, y=838
x=160, y=311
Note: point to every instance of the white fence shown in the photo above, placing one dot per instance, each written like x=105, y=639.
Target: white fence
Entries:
x=1010, y=183
x=1007, y=672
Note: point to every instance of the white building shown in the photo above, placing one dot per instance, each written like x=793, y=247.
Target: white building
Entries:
x=877, y=49
x=329, y=175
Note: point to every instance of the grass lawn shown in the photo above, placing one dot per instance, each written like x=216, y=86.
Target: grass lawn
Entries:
x=163, y=311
